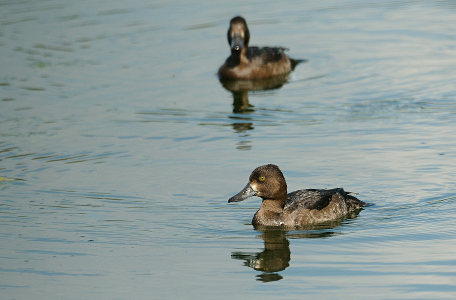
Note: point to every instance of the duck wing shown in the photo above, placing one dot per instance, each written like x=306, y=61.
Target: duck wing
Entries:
x=267, y=54
x=317, y=199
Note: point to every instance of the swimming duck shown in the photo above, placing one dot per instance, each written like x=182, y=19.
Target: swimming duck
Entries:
x=299, y=208
x=249, y=63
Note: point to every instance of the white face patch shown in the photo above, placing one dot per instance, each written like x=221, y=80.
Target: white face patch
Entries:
x=254, y=187
x=237, y=29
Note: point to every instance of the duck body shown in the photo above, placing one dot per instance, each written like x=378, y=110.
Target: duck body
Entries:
x=299, y=208
x=250, y=63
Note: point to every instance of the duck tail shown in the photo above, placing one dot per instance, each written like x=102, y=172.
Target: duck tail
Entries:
x=354, y=202
x=295, y=62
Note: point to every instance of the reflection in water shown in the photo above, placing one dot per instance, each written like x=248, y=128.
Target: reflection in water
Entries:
x=242, y=125
x=276, y=254
x=241, y=106
x=241, y=88
x=241, y=102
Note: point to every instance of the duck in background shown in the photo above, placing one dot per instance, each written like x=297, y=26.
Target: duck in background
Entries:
x=251, y=63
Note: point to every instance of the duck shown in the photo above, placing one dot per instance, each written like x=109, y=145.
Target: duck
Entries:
x=306, y=207
x=250, y=62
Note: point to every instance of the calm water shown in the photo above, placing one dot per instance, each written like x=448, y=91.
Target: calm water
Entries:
x=119, y=148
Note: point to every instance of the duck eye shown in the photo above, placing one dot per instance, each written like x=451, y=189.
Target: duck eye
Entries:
x=262, y=178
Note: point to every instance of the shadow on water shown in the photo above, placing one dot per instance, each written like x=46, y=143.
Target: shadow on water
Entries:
x=275, y=256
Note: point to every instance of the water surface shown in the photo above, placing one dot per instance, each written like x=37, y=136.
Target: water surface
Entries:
x=119, y=148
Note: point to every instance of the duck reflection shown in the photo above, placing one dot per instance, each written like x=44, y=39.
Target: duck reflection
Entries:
x=240, y=90
x=241, y=126
x=242, y=108
x=276, y=254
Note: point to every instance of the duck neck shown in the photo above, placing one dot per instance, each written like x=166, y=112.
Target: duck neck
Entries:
x=243, y=56
x=273, y=205
x=269, y=214
x=238, y=57
x=234, y=59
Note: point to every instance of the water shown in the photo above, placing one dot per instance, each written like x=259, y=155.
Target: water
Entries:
x=119, y=148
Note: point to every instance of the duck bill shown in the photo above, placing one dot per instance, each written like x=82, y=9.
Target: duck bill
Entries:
x=246, y=192
x=237, y=43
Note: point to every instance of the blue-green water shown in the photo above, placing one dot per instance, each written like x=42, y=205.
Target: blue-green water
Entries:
x=119, y=148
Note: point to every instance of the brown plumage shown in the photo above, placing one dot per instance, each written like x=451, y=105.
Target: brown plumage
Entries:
x=248, y=63
x=299, y=208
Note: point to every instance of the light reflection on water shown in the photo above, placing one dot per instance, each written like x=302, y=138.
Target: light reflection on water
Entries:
x=119, y=148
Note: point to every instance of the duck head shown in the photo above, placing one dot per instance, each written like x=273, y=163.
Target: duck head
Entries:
x=238, y=34
x=266, y=182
